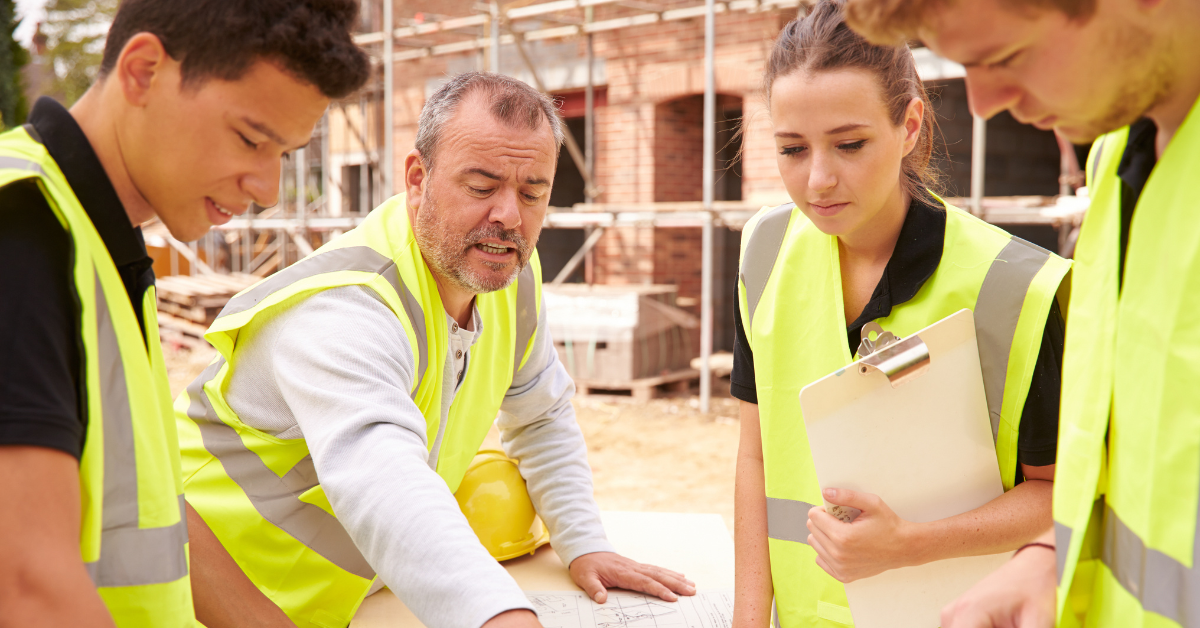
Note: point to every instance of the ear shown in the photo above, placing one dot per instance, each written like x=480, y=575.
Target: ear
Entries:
x=415, y=178
x=914, y=119
x=142, y=60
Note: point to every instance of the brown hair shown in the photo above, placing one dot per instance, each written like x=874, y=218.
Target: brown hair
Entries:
x=822, y=41
x=890, y=22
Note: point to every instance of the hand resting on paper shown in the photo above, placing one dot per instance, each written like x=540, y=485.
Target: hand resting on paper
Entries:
x=596, y=572
x=1018, y=595
x=879, y=539
x=876, y=541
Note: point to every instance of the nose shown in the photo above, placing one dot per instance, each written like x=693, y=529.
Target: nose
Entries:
x=821, y=174
x=506, y=210
x=262, y=183
x=989, y=94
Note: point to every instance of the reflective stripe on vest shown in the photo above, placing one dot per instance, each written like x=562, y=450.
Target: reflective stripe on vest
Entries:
x=129, y=555
x=1137, y=454
x=996, y=315
x=354, y=258
x=129, y=479
x=276, y=498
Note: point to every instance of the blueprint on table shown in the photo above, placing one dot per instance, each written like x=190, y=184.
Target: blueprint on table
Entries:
x=573, y=609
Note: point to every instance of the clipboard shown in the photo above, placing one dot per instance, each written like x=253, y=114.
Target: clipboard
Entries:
x=909, y=422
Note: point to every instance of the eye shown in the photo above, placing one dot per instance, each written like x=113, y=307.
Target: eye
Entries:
x=247, y=141
x=851, y=147
x=475, y=190
x=792, y=150
x=532, y=198
x=1004, y=63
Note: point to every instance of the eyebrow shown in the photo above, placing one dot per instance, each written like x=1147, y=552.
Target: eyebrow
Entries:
x=841, y=129
x=495, y=177
x=271, y=134
x=483, y=173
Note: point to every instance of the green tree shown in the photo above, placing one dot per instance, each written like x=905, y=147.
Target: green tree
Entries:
x=75, y=32
x=13, y=57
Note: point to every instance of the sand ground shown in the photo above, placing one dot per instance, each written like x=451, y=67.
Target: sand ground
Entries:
x=663, y=455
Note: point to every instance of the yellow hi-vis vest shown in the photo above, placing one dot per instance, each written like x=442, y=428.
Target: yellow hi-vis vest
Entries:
x=791, y=307
x=1125, y=515
x=134, y=533
x=260, y=494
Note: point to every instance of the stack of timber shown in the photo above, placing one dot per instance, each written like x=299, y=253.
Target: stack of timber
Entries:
x=187, y=305
x=623, y=339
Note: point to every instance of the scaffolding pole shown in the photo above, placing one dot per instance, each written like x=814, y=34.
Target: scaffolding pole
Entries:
x=494, y=25
x=387, y=164
x=706, y=246
x=978, y=157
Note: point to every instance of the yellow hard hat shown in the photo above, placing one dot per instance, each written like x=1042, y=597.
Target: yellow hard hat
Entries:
x=493, y=496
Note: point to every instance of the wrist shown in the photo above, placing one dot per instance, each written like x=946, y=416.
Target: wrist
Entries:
x=916, y=546
x=1036, y=546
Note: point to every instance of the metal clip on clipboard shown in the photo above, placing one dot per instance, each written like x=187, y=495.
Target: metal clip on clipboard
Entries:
x=901, y=360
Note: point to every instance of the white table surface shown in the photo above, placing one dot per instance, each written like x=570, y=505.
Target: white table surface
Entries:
x=698, y=545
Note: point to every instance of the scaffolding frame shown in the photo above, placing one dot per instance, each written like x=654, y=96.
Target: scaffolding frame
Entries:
x=318, y=202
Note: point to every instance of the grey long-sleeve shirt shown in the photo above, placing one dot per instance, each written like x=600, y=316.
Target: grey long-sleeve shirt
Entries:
x=336, y=369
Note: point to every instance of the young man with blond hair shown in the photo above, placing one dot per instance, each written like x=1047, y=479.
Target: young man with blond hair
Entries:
x=1125, y=545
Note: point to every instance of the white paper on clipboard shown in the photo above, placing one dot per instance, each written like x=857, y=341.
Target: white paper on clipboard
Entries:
x=925, y=447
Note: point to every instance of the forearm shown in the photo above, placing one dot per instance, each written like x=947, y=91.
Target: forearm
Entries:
x=344, y=369
x=753, y=589
x=538, y=428
x=43, y=581
x=222, y=593
x=1003, y=524
x=410, y=529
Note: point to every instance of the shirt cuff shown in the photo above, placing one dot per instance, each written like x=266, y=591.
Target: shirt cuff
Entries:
x=568, y=552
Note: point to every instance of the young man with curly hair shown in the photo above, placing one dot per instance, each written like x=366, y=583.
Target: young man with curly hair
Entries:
x=195, y=104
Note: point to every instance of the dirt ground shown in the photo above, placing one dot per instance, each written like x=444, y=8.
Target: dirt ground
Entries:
x=663, y=455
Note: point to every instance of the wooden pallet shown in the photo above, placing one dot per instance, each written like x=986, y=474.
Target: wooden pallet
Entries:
x=187, y=305
x=641, y=389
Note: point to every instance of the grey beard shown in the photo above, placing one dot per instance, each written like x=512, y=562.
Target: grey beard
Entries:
x=447, y=255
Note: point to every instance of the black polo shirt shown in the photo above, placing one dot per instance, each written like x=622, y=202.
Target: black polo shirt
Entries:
x=916, y=256
x=1137, y=162
x=41, y=400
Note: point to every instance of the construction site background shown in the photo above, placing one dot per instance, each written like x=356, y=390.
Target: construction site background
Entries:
x=627, y=217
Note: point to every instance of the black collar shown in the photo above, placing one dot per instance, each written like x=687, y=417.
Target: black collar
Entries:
x=916, y=256
x=1137, y=162
x=65, y=141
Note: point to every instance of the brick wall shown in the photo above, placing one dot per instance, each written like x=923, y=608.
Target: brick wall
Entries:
x=677, y=262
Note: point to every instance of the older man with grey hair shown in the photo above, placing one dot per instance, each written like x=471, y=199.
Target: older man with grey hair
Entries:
x=360, y=382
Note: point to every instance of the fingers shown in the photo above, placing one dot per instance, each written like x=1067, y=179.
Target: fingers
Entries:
x=646, y=584
x=854, y=499
x=590, y=583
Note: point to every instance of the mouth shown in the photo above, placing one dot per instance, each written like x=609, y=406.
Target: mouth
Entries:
x=827, y=209
x=493, y=251
x=219, y=214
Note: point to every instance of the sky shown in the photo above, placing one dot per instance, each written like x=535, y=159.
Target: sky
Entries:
x=30, y=12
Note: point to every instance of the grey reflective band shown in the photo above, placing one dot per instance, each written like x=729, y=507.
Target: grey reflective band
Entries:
x=1096, y=161
x=527, y=314
x=761, y=252
x=276, y=498
x=997, y=312
x=13, y=163
x=775, y=613
x=129, y=554
x=1062, y=544
x=787, y=519
x=1162, y=584
x=351, y=258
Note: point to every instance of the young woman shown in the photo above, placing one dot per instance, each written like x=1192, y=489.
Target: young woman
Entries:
x=865, y=241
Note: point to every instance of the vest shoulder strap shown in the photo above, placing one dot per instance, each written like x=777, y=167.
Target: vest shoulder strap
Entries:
x=761, y=252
